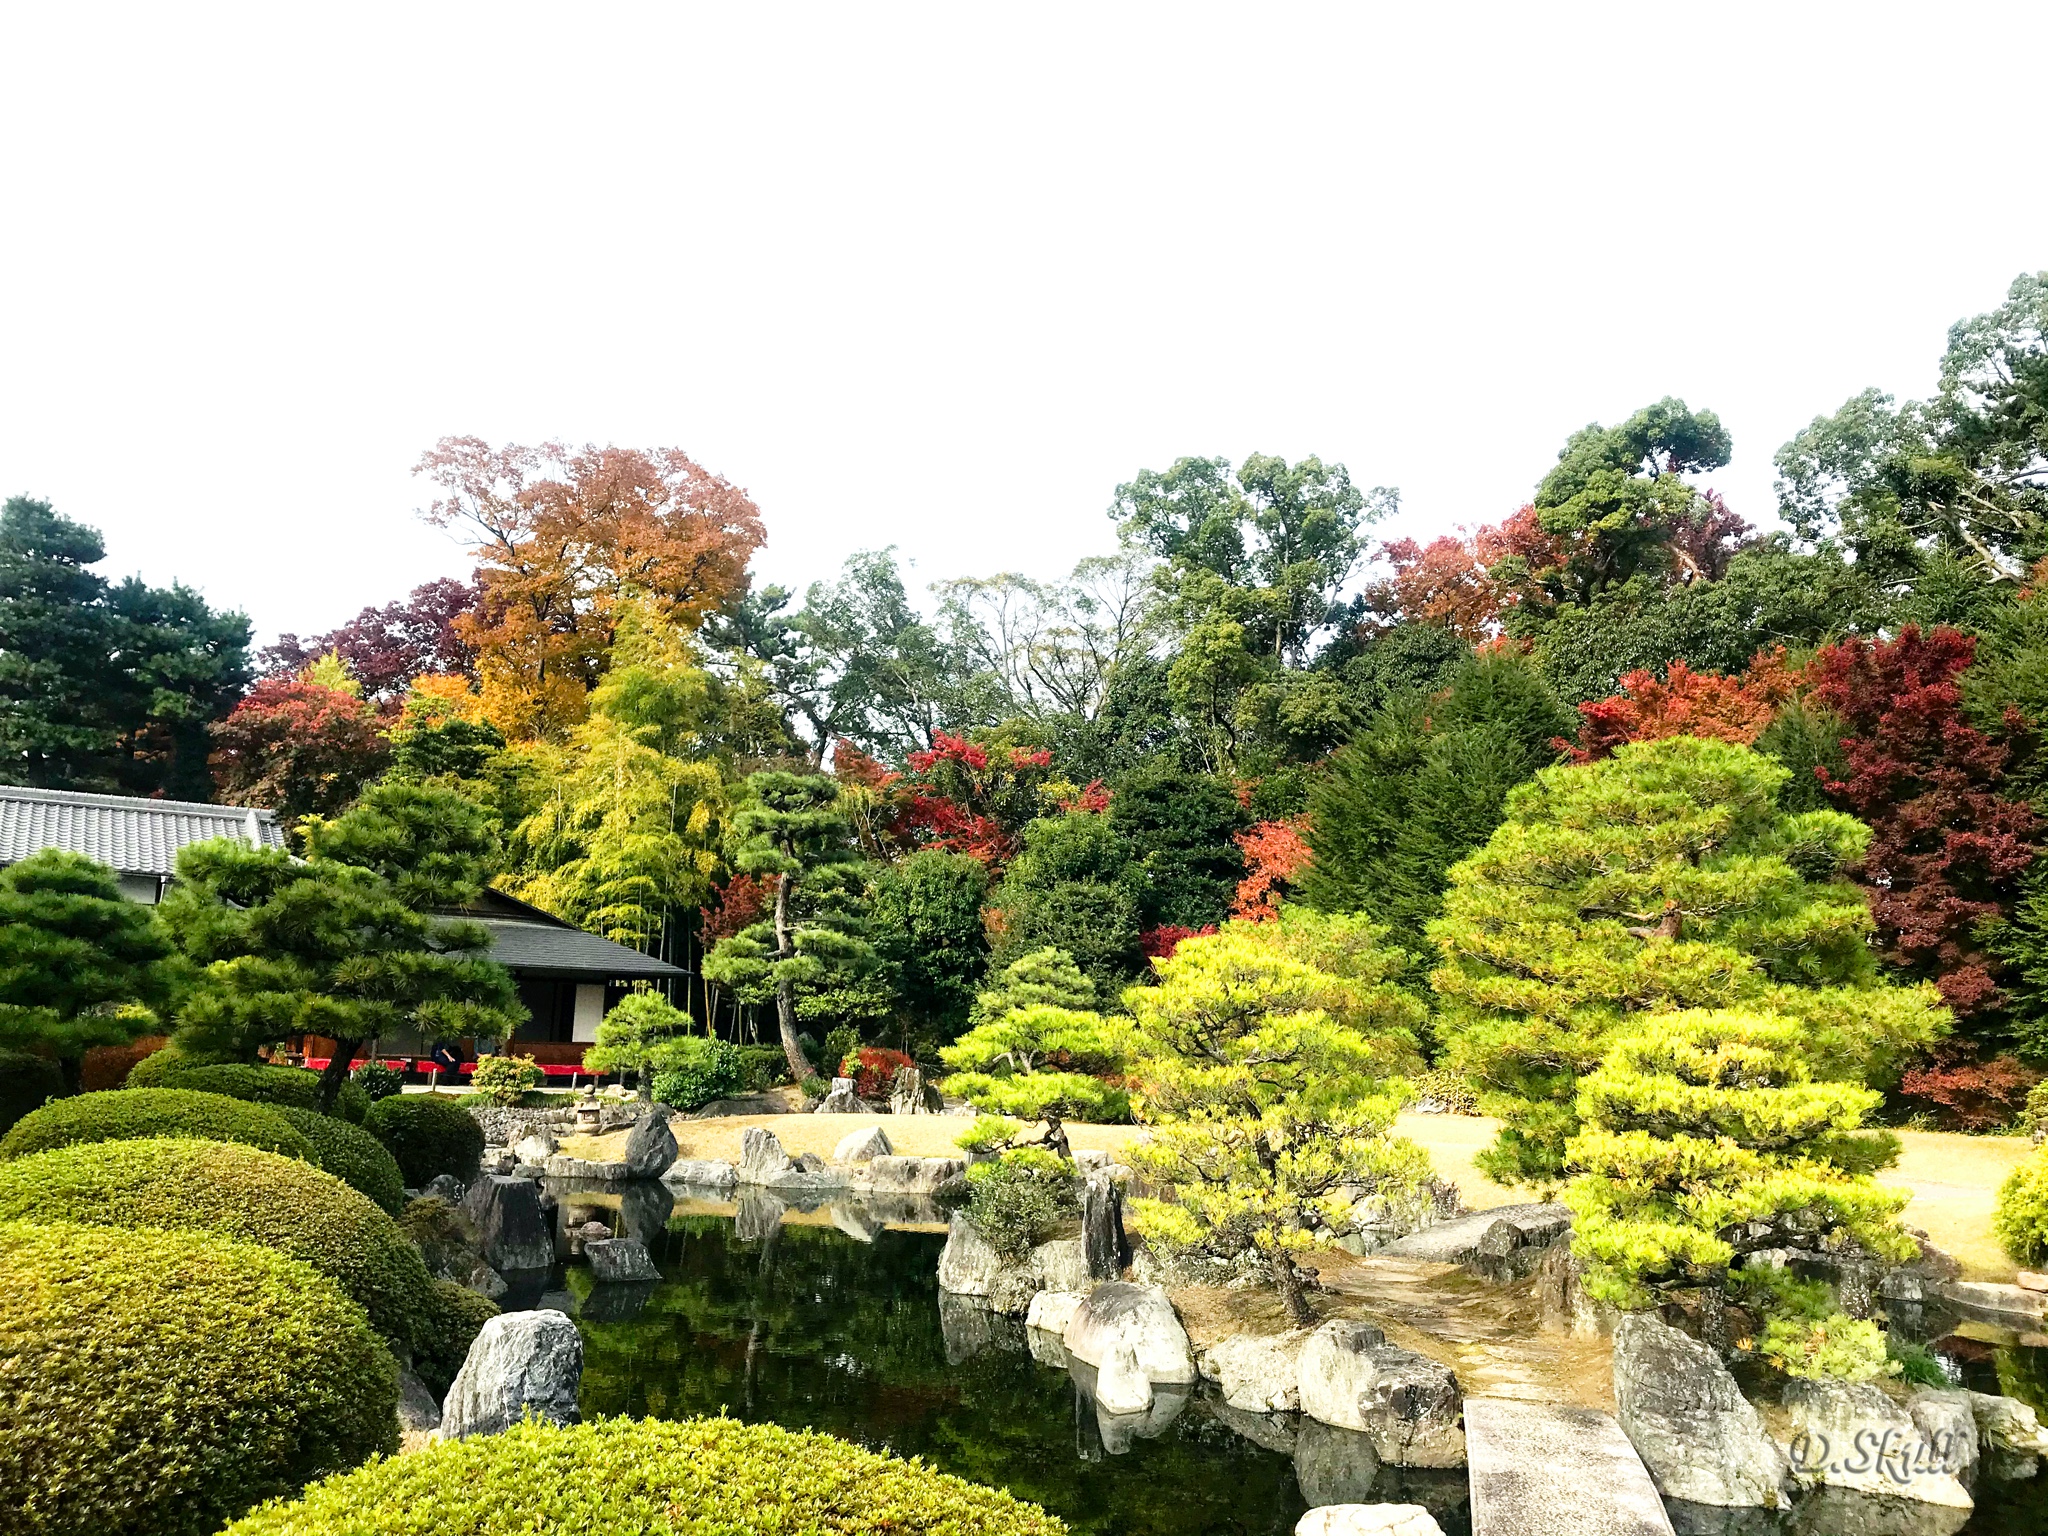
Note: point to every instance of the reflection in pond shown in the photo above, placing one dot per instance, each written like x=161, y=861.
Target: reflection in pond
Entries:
x=826, y=1315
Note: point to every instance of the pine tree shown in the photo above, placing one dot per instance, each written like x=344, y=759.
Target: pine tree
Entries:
x=1270, y=1085
x=1037, y=1048
x=73, y=952
x=1659, y=879
x=791, y=830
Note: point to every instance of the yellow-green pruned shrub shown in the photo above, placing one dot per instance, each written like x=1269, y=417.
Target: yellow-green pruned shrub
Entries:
x=126, y=1113
x=459, y=1316
x=649, y=1478
x=281, y=1087
x=428, y=1135
x=159, y=1383
x=2022, y=1219
x=237, y=1192
x=352, y=1155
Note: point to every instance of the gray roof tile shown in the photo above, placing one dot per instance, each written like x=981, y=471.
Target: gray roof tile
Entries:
x=134, y=836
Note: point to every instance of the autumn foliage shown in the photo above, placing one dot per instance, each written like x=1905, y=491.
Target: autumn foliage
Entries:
x=1686, y=703
x=1464, y=583
x=297, y=748
x=1275, y=853
x=1946, y=845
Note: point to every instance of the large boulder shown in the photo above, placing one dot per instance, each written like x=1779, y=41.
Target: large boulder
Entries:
x=1457, y=1240
x=763, y=1162
x=1688, y=1420
x=513, y=1231
x=709, y=1174
x=1258, y=1373
x=1051, y=1311
x=863, y=1146
x=536, y=1146
x=1061, y=1265
x=968, y=1266
x=842, y=1100
x=2009, y=1435
x=912, y=1175
x=1121, y=1385
x=650, y=1145
x=620, y=1261
x=910, y=1094
x=610, y=1171
x=418, y=1409
x=1512, y=1247
x=1949, y=1425
x=1368, y=1520
x=521, y=1363
x=1850, y=1435
x=1119, y=1317
x=1333, y=1466
x=1102, y=1226
x=1410, y=1406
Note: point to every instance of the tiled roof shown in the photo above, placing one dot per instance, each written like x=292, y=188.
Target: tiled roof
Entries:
x=133, y=835
x=551, y=949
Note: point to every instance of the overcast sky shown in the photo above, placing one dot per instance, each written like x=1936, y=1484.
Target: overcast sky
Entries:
x=942, y=276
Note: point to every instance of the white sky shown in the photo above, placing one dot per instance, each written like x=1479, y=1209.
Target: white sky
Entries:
x=942, y=276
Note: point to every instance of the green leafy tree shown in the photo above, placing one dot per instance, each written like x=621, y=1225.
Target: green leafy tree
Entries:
x=1704, y=1137
x=924, y=920
x=338, y=944
x=1176, y=829
x=1422, y=786
x=79, y=965
x=1271, y=1087
x=1068, y=889
x=1037, y=1050
x=633, y=1036
x=1659, y=879
x=792, y=832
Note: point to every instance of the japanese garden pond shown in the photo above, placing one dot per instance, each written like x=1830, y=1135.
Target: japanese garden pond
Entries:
x=795, y=1320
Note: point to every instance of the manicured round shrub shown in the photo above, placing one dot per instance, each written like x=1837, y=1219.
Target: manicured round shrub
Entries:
x=352, y=1155
x=459, y=1316
x=237, y=1192
x=428, y=1135
x=645, y=1475
x=158, y=1068
x=2022, y=1220
x=252, y=1082
x=694, y=1070
x=159, y=1383
x=26, y=1083
x=378, y=1081
x=127, y=1113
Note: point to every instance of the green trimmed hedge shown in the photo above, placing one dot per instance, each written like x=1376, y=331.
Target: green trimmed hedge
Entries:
x=612, y=1477
x=2021, y=1223
x=352, y=1155
x=126, y=1113
x=428, y=1135
x=236, y=1192
x=26, y=1083
x=160, y=1383
x=459, y=1316
x=282, y=1087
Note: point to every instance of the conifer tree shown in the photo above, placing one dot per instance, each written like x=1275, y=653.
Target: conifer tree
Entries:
x=72, y=952
x=1271, y=1088
x=792, y=831
x=1036, y=1047
x=1662, y=878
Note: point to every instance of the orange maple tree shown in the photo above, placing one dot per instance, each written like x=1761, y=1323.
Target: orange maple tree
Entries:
x=1275, y=852
x=561, y=536
x=1686, y=703
x=1463, y=582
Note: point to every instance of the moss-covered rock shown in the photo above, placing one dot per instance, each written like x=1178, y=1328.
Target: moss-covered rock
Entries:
x=428, y=1135
x=646, y=1476
x=159, y=1383
x=237, y=1192
x=128, y=1113
x=352, y=1155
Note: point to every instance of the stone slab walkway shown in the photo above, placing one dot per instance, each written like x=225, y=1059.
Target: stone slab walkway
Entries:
x=1545, y=1469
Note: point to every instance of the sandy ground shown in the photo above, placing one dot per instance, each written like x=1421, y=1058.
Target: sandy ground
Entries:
x=1953, y=1179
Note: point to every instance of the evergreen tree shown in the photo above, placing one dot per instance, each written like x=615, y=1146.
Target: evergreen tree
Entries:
x=1662, y=878
x=1270, y=1086
x=73, y=953
x=1039, y=1061
x=1176, y=829
x=924, y=920
x=792, y=831
x=1067, y=889
x=1422, y=786
x=1046, y=977
x=634, y=1035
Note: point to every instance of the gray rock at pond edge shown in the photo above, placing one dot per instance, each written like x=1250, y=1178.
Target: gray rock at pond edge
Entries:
x=968, y=1266
x=445, y=1186
x=1850, y=1435
x=1368, y=1520
x=1334, y=1466
x=863, y=1146
x=912, y=1175
x=1060, y=1265
x=1111, y=1391
x=1349, y=1376
x=619, y=1260
x=1688, y=1420
x=1456, y=1240
x=842, y=1100
x=1119, y=1320
x=758, y=1216
x=968, y=1328
x=486, y=1282
x=1102, y=1226
x=496, y=1160
x=650, y=1145
x=764, y=1162
x=521, y=1363
x=2010, y=1439
x=513, y=1231
x=417, y=1408
x=858, y=1222
x=702, y=1173
x=1949, y=1424
x=1549, y=1469
x=617, y=1303
x=1258, y=1373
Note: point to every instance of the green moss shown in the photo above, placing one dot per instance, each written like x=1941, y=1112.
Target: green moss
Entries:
x=237, y=1192
x=428, y=1135
x=650, y=1479
x=127, y=1113
x=159, y=1383
x=352, y=1155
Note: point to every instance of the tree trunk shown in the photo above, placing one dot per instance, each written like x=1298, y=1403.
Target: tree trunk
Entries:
x=785, y=993
x=335, y=1075
x=72, y=1070
x=1287, y=1279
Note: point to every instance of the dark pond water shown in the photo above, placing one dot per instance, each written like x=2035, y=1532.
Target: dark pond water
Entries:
x=807, y=1326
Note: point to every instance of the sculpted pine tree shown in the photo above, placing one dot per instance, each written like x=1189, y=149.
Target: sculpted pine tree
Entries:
x=1037, y=1048
x=1270, y=1083
x=1659, y=879
x=793, y=834
x=1705, y=1138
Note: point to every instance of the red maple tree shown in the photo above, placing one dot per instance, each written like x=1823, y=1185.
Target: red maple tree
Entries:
x=1947, y=848
x=1160, y=943
x=1275, y=852
x=297, y=748
x=1685, y=703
